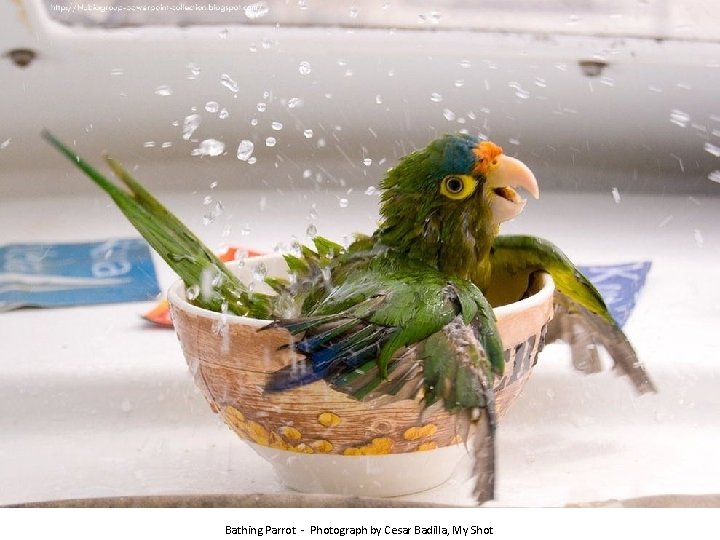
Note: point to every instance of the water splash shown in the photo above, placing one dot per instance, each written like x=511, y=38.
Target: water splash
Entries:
x=212, y=106
x=367, y=162
x=223, y=114
x=679, y=118
x=294, y=103
x=190, y=124
x=270, y=142
x=449, y=115
x=163, y=90
x=308, y=133
x=343, y=202
x=229, y=83
x=311, y=231
x=304, y=68
x=714, y=176
x=209, y=147
x=5, y=144
x=245, y=150
x=712, y=149
x=257, y=10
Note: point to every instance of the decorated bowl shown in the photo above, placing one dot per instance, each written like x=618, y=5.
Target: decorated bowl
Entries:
x=323, y=441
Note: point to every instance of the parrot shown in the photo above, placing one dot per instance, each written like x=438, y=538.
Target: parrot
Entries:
x=407, y=311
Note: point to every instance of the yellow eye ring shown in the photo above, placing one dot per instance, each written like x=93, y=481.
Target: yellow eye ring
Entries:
x=458, y=186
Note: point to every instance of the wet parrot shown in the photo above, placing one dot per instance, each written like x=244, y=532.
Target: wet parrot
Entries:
x=405, y=312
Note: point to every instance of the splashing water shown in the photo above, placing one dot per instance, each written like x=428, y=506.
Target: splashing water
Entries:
x=190, y=124
x=223, y=114
x=679, y=118
x=163, y=90
x=311, y=231
x=270, y=142
x=308, y=133
x=192, y=292
x=245, y=150
x=449, y=115
x=714, y=176
x=371, y=190
x=212, y=214
x=209, y=147
x=212, y=106
x=343, y=202
x=257, y=10
x=710, y=148
x=294, y=103
x=367, y=162
x=229, y=83
x=305, y=68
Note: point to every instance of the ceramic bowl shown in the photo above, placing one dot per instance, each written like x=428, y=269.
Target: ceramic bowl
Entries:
x=320, y=440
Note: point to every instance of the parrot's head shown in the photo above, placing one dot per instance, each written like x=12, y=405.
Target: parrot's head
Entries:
x=446, y=201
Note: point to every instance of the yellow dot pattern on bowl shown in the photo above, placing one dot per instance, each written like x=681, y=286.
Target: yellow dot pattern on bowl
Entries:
x=322, y=446
x=430, y=445
x=415, y=433
x=328, y=419
x=290, y=433
x=258, y=433
x=378, y=446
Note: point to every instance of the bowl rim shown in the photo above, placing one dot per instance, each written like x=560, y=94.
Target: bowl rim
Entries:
x=176, y=297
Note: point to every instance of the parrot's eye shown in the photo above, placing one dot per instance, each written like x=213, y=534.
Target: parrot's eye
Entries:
x=458, y=186
x=454, y=184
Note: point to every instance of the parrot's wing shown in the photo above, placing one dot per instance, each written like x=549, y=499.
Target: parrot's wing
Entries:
x=384, y=336
x=581, y=318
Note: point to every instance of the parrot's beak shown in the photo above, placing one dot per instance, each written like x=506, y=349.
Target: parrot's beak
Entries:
x=504, y=175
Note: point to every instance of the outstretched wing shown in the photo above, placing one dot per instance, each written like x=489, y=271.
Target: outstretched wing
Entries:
x=581, y=314
x=388, y=334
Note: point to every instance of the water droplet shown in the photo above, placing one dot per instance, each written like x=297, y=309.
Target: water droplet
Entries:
x=343, y=202
x=371, y=190
x=270, y=141
x=268, y=44
x=190, y=124
x=367, y=162
x=149, y=144
x=321, y=142
x=710, y=148
x=262, y=106
x=223, y=114
x=311, y=231
x=212, y=214
x=715, y=176
x=294, y=103
x=277, y=126
x=465, y=64
x=308, y=133
x=252, y=160
x=378, y=99
x=307, y=173
x=194, y=71
x=256, y=10
x=223, y=33
x=607, y=81
x=573, y=19
x=259, y=272
x=514, y=141
x=229, y=83
x=540, y=82
x=679, y=118
x=449, y=115
x=117, y=71
x=254, y=122
x=163, y=90
x=304, y=68
x=5, y=144
x=209, y=147
x=313, y=212
x=166, y=144
x=616, y=195
x=212, y=106
x=245, y=150
x=459, y=83
x=192, y=292
x=245, y=231
x=435, y=97
x=354, y=12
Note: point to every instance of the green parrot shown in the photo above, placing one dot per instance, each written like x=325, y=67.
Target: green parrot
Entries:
x=405, y=312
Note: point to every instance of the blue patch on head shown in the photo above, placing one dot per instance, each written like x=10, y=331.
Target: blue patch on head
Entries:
x=458, y=156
